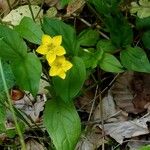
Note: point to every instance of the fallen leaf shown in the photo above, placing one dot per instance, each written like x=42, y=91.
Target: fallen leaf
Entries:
x=15, y=16
x=34, y=145
x=109, y=109
x=123, y=93
x=127, y=129
x=75, y=5
x=92, y=141
x=142, y=8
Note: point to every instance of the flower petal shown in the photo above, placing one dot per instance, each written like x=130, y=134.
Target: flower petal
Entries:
x=51, y=56
x=46, y=39
x=60, y=51
x=53, y=71
x=42, y=49
x=67, y=65
x=62, y=75
x=57, y=40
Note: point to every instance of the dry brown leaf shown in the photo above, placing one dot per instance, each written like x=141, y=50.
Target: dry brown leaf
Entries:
x=123, y=93
x=84, y=102
x=92, y=141
x=15, y=16
x=51, y=2
x=34, y=145
x=131, y=92
x=127, y=129
x=75, y=5
x=109, y=109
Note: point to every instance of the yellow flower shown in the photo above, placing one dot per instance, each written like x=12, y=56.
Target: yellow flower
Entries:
x=59, y=67
x=51, y=47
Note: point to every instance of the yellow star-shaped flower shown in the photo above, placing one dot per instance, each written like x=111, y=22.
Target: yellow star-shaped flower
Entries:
x=59, y=67
x=51, y=47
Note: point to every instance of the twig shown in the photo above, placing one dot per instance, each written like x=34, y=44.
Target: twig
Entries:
x=93, y=103
x=8, y=2
x=30, y=7
x=102, y=121
x=11, y=107
x=40, y=9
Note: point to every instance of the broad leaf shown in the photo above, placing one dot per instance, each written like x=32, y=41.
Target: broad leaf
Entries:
x=110, y=63
x=29, y=30
x=146, y=39
x=68, y=88
x=54, y=27
x=64, y=2
x=88, y=37
x=27, y=73
x=135, y=59
x=120, y=31
x=105, y=6
x=106, y=46
x=12, y=47
x=62, y=123
x=91, y=59
x=9, y=77
x=143, y=23
x=142, y=8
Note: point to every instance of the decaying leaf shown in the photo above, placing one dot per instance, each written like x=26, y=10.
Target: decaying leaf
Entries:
x=142, y=9
x=109, y=109
x=131, y=92
x=15, y=16
x=74, y=6
x=34, y=145
x=127, y=129
x=92, y=141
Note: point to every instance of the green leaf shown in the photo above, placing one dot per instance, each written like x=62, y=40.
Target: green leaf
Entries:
x=105, y=6
x=110, y=63
x=11, y=45
x=29, y=30
x=146, y=39
x=142, y=8
x=62, y=123
x=91, y=59
x=106, y=46
x=64, y=2
x=143, y=23
x=120, y=31
x=147, y=147
x=9, y=77
x=2, y=117
x=135, y=59
x=28, y=72
x=68, y=88
x=88, y=37
x=54, y=27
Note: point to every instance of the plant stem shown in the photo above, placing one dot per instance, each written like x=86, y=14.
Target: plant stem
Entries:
x=8, y=2
x=29, y=4
x=11, y=107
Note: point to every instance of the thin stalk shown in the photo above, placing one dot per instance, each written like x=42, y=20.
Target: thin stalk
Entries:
x=32, y=14
x=8, y=2
x=11, y=107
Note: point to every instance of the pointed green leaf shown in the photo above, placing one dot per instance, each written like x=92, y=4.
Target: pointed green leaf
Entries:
x=12, y=47
x=146, y=39
x=110, y=63
x=62, y=123
x=88, y=37
x=29, y=30
x=28, y=72
x=68, y=88
x=135, y=59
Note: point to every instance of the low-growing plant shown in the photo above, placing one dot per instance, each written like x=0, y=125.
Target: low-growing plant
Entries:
x=67, y=59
